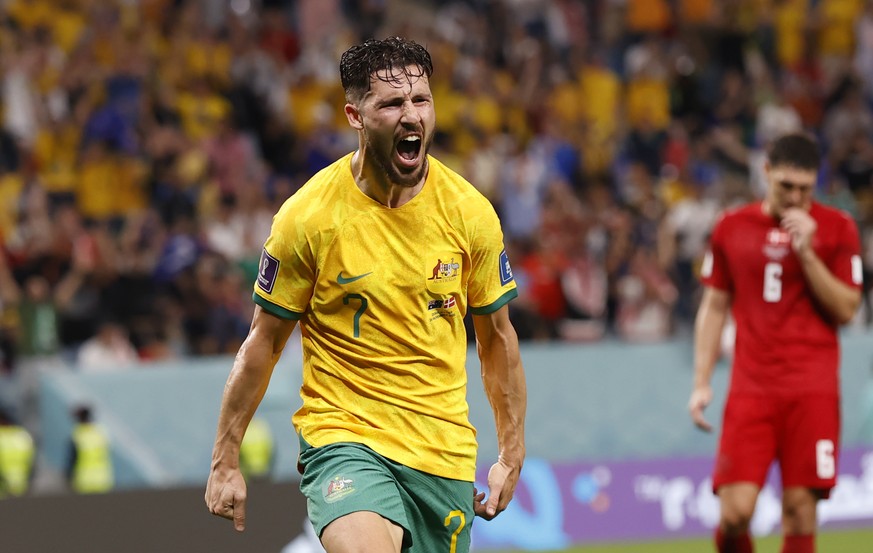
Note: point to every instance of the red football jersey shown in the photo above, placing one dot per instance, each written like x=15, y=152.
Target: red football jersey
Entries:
x=785, y=342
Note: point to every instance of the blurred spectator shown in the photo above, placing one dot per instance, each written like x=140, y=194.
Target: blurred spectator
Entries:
x=9, y=156
x=848, y=116
x=256, y=452
x=9, y=298
x=108, y=350
x=647, y=16
x=110, y=183
x=90, y=469
x=529, y=325
x=21, y=102
x=277, y=37
x=835, y=20
x=853, y=161
x=685, y=232
x=17, y=455
x=863, y=57
x=790, y=22
x=231, y=155
x=543, y=266
x=776, y=116
x=524, y=180
x=645, y=300
x=584, y=286
x=77, y=293
x=225, y=234
x=38, y=333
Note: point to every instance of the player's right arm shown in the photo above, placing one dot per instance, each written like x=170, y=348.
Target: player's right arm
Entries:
x=503, y=377
x=708, y=326
x=839, y=297
x=243, y=392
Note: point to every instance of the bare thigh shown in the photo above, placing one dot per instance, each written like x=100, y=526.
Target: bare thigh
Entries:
x=362, y=532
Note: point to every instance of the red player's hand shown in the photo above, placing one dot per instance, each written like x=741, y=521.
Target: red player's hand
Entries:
x=700, y=398
x=801, y=227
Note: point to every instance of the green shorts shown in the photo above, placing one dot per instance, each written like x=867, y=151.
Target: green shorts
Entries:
x=436, y=513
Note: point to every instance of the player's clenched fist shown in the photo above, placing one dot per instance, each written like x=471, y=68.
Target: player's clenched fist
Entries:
x=226, y=496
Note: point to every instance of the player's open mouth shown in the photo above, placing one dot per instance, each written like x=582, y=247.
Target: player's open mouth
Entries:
x=409, y=150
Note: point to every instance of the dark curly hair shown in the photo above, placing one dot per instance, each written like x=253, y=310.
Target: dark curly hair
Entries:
x=798, y=149
x=389, y=60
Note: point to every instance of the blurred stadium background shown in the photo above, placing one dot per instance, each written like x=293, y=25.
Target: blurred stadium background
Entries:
x=145, y=145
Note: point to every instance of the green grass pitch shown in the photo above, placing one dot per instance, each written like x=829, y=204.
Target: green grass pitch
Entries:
x=850, y=541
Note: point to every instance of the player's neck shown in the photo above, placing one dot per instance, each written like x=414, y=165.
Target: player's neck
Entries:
x=372, y=181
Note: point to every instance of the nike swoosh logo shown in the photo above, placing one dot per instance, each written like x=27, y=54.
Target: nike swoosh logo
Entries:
x=346, y=280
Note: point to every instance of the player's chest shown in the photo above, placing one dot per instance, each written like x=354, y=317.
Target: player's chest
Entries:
x=752, y=246
x=397, y=263
x=761, y=261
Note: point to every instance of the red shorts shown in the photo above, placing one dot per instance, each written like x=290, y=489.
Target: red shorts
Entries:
x=801, y=433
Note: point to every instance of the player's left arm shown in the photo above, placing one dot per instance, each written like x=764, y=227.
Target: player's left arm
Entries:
x=503, y=377
x=836, y=296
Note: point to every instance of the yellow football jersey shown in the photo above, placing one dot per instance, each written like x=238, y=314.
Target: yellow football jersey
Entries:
x=381, y=295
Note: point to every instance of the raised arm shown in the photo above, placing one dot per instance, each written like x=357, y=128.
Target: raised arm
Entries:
x=839, y=299
x=503, y=377
x=243, y=392
x=708, y=327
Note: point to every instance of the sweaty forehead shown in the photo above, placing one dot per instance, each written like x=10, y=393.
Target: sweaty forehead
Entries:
x=396, y=79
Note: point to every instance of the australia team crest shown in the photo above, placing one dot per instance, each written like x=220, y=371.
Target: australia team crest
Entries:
x=445, y=271
x=338, y=488
x=442, y=273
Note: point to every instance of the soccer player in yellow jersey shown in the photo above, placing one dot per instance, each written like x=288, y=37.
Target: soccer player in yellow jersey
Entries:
x=379, y=256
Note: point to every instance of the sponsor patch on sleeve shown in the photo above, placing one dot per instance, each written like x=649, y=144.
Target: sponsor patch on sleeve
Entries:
x=706, y=266
x=267, y=272
x=505, y=269
x=857, y=270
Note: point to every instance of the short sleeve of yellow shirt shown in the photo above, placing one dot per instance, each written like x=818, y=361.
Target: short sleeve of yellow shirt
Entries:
x=286, y=259
x=381, y=295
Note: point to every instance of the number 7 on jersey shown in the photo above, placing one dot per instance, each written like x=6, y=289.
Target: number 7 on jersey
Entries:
x=356, y=325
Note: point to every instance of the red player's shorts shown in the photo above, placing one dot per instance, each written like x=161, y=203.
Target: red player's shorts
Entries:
x=801, y=433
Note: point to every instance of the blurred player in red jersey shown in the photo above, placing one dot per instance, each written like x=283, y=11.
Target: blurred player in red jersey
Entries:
x=789, y=271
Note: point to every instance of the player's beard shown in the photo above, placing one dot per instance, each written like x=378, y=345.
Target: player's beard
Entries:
x=384, y=158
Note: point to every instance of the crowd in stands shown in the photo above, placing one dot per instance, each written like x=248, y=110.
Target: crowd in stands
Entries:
x=146, y=144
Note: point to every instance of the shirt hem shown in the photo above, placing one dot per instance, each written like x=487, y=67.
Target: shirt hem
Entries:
x=451, y=473
x=274, y=309
x=494, y=306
